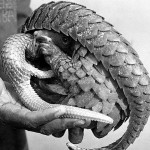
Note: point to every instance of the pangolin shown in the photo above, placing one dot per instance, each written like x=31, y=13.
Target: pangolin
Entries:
x=99, y=70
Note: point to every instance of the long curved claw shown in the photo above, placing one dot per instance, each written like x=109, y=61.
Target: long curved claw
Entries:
x=73, y=147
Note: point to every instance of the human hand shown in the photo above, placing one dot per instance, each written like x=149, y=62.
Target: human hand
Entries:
x=12, y=112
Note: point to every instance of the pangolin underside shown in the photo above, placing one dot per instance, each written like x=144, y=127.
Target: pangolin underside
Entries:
x=109, y=73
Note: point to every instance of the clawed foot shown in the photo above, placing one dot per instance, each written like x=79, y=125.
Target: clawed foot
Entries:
x=74, y=147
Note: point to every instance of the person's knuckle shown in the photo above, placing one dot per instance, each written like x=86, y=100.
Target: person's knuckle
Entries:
x=44, y=131
x=33, y=124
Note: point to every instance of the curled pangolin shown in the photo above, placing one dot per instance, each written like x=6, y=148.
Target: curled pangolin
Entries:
x=98, y=71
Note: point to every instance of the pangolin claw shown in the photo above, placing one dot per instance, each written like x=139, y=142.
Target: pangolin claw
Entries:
x=74, y=147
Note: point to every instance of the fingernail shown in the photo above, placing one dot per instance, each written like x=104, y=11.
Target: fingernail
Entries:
x=79, y=123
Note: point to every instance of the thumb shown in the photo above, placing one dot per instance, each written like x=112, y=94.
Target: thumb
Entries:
x=47, y=115
x=21, y=117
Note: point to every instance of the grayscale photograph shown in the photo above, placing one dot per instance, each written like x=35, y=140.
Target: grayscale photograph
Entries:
x=74, y=75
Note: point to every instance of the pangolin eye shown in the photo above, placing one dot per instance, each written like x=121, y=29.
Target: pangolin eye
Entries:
x=66, y=40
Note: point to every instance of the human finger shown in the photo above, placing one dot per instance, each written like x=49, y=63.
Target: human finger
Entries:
x=21, y=117
x=75, y=135
x=58, y=125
